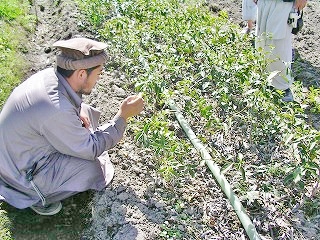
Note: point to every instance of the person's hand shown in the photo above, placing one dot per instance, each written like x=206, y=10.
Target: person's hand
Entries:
x=300, y=4
x=85, y=119
x=131, y=106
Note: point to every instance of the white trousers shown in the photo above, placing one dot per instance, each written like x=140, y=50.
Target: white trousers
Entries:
x=275, y=38
x=249, y=10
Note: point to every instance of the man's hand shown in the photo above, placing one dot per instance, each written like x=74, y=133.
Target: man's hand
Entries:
x=85, y=119
x=131, y=106
x=300, y=4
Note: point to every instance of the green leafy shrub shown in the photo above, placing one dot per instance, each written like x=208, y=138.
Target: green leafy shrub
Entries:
x=178, y=49
x=15, y=24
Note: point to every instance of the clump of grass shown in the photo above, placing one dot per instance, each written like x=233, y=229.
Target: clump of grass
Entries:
x=5, y=225
x=15, y=24
x=11, y=10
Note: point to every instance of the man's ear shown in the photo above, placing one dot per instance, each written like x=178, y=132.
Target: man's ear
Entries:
x=82, y=74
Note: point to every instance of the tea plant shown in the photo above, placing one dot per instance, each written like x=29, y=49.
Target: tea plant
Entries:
x=179, y=50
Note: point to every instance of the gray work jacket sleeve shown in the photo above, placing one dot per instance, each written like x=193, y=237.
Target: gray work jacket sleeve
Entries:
x=64, y=131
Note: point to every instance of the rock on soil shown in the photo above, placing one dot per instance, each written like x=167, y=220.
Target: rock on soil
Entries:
x=138, y=204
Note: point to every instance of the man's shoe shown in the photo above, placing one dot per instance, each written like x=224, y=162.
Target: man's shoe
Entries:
x=49, y=210
x=288, y=97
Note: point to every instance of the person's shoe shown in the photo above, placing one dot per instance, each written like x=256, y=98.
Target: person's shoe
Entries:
x=49, y=210
x=288, y=97
x=246, y=31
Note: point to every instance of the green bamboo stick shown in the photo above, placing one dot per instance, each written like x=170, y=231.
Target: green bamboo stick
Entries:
x=220, y=178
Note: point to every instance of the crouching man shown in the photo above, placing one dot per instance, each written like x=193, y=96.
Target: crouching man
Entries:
x=51, y=144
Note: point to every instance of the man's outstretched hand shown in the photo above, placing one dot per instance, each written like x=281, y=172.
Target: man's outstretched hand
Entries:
x=131, y=106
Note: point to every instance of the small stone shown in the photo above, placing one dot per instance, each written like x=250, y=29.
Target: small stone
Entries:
x=123, y=196
x=160, y=205
x=47, y=49
x=181, y=228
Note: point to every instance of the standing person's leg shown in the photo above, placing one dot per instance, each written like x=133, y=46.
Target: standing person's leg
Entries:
x=249, y=12
x=250, y=24
x=275, y=38
x=282, y=58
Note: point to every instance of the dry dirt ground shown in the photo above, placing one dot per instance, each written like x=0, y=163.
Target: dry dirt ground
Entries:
x=138, y=204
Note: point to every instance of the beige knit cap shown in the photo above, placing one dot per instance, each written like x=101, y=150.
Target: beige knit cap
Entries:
x=80, y=53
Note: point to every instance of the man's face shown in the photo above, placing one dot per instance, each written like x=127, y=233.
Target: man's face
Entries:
x=90, y=81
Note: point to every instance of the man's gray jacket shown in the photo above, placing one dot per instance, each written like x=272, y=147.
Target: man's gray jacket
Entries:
x=40, y=128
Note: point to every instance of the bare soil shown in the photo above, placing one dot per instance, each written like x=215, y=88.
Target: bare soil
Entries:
x=139, y=204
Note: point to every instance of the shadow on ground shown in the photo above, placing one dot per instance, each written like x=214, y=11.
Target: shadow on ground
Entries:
x=309, y=75
x=69, y=223
x=305, y=71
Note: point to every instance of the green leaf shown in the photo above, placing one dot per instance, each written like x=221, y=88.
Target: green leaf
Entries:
x=297, y=174
x=272, y=75
x=288, y=139
x=226, y=168
x=243, y=173
x=288, y=179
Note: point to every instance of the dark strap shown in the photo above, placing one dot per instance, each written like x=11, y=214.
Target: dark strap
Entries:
x=29, y=177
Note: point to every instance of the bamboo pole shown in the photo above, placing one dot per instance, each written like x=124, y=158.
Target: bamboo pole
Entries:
x=220, y=178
